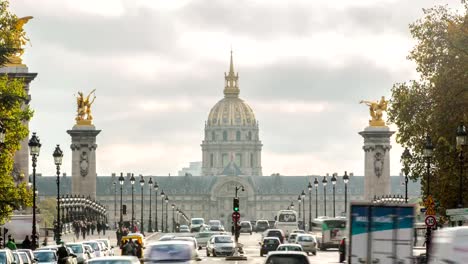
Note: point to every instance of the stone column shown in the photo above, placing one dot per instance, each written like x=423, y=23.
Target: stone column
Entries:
x=21, y=166
x=376, y=161
x=83, y=148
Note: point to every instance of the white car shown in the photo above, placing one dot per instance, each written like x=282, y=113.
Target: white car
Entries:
x=220, y=245
x=96, y=247
x=287, y=257
x=46, y=256
x=289, y=247
x=308, y=243
x=108, y=245
x=80, y=252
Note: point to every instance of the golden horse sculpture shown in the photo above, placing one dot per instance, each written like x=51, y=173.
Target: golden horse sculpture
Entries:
x=84, y=116
x=19, y=41
x=376, y=110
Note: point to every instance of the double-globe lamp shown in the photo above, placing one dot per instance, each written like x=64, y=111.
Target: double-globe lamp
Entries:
x=34, y=149
x=58, y=155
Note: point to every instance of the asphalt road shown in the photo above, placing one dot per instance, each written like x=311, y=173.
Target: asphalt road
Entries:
x=252, y=251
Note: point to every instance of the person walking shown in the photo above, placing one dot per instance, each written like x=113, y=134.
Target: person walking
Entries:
x=11, y=243
x=26, y=243
x=62, y=253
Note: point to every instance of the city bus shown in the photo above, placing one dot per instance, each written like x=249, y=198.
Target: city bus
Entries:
x=286, y=220
x=329, y=231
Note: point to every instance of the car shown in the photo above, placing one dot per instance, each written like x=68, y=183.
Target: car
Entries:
x=72, y=258
x=342, y=250
x=96, y=247
x=274, y=233
x=289, y=247
x=203, y=237
x=269, y=244
x=308, y=243
x=298, y=231
x=18, y=259
x=105, y=252
x=215, y=225
x=89, y=251
x=449, y=245
x=166, y=238
x=46, y=256
x=292, y=237
x=187, y=238
x=245, y=227
x=24, y=257
x=80, y=252
x=184, y=229
x=196, y=224
x=219, y=245
x=287, y=257
x=115, y=260
x=261, y=225
x=108, y=245
x=170, y=252
x=29, y=252
x=6, y=256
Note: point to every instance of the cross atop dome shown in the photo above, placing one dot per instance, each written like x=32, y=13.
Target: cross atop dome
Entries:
x=231, y=88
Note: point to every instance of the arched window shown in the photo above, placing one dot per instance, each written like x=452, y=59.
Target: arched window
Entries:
x=224, y=135
x=249, y=135
x=238, y=135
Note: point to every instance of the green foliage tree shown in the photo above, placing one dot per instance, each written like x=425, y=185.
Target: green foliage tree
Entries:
x=47, y=210
x=437, y=103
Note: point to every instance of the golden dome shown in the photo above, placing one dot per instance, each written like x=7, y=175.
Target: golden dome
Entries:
x=231, y=110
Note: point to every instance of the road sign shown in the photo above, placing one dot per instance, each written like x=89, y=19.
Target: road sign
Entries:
x=423, y=210
x=459, y=211
x=458, y=218
x=430, y=220
x=235, y=216
x=430, y=205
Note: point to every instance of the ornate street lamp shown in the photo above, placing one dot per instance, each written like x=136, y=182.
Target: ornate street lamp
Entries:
x=142, y=183
x=173, y=220
x=406, y=158
x=303, y=209
x=150, y=185
x=428, y=152
x=316, y=183
x=310, y=205
x=156, y=188
x=132, y=181
x=58, y=155
x=115, y=202
x=162, y=210
x=324, y=183
x=167, y=204
x=333, y=180
x=299, y=200
x=462, y=140
x=121, y=182
x=34, y=149
x=345, y=180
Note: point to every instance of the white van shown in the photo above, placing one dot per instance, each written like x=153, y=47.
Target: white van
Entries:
x=449, y=245
x=196, y=224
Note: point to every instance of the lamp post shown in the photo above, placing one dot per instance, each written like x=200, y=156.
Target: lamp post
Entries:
x=156, y=188
x=121, y=182
x=316, y=183
x=428, y=152
x=303, y=209
x=291, y=206
x=461, y=142
x=345, y=180
x=167, y=203
x=132, y=181
x=299, y=200
x=333, y=180
x=115, y=203
x=173, y=223
x=324, y=183
x=142, y=183
x=58, y=155
x=150, y=185
x=162, y=210
x=34, y=149
x=405, y=158
x=310, y=205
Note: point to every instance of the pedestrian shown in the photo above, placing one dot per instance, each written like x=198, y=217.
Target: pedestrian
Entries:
x=1, y=243
x=138, y=249
x=62, y=254
x=44, y=242
x=11, y=243
x=26, y=243
x=128, y=248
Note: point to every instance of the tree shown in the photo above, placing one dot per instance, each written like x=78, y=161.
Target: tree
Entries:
x=437, y=103
x=47, y=210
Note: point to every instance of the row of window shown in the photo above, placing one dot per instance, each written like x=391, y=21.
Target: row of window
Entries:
x=225, y=159
x=238, y=135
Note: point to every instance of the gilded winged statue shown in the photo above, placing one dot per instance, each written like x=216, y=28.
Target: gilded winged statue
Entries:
x=84, y=115
x=376, y=110
x=19, y=40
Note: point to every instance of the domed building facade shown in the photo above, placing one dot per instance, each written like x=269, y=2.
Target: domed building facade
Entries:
x=231, y=145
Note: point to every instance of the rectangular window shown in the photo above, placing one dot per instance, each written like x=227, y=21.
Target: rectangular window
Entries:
x=211, y=160
x=225, y=159
x=239, y=159
x=251, y=160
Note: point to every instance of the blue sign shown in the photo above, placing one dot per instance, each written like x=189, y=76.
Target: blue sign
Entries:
x=423, y=210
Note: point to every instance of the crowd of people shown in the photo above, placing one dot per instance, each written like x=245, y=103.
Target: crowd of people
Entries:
x=86, y=228
x=11, y=244
x=131, y=248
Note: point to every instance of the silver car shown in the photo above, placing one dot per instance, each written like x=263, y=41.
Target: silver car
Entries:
x=6, y=256
x=115, y=260
x=220, y=245
x=170, y=252
x=80, y=252
x=308, y=243
x=46, y=256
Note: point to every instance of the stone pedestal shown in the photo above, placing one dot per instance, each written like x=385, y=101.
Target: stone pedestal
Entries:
x=83, y=148
x=376, y=161
x=21, y=166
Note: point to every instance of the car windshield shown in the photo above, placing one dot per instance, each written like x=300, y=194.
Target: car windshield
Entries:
x=289, y=248
x=293, y=235
x=2, y=257
x=76, y=248
x=94, y=245
x=110, y=261
x=275, y=233
x=197, y=222
x=164, y=252
x=16, y=257
x=262, y=224
x=24, y=257
x=286, y=259
x=305, y=238
x=105, y=242
x=335, y=224
x=223, y=239
x=270, y=241
x=285, y=217
x=204, y=234
x=44, y=256
x=214, y=223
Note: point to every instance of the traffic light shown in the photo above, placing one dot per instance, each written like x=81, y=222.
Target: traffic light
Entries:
x=235, y=205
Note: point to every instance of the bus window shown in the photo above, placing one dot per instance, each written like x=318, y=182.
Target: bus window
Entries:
x=287, y=217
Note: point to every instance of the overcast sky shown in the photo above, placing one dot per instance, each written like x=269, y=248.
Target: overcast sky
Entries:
x=158, y=68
